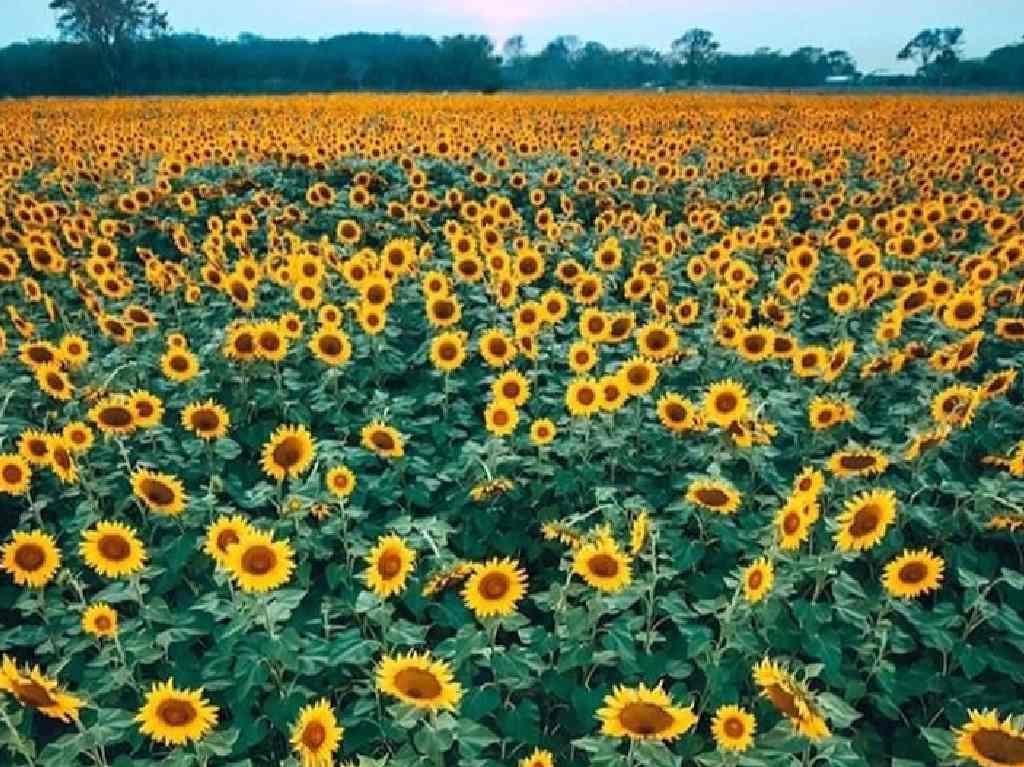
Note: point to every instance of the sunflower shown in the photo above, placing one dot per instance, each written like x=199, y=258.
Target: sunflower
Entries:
x=62, y=462
x=162, y=493
x=420, y=681
x=258, y=562
x=925, y=441
x=810, y=361
x=112, y=550
x=54, y=381
x=271, y=344
x=790, y=698
x=857, y=463
x=448, y=352
x=913, y=573
x=839, y=357
x=341, y=481
x=497, y=348
x=582, y=357
x=316, y=734
x=755, y=344
x=714, y=495
x=676, y=413
x=512, y=386
x=824, y=413
x=32, y=558
x=36, y=354
x=383, y=440
x=997, y=384
x=175, y=717
x=34, y=446
x=733, y=728
x=222, y=534
x=542, y=431
x=758, y=579
x=955, y=405
x=389, y=564
x=865, y=519
x=725, y=402
x=657, y=341
x=582, y=397
x=793, y=524
x=179, y=365
x=100, y=620
x=602, y=565
x=494, y=588
x=539, y=758
x=34, y=690
x=990, y=742
x=288, y=452
x=638, y=375
x=964, y=311
x=240, y=344
x=331, y=345
x=207, y=420
x=78, y=437
x=809, y=482
x=114, y=415
x=15, y=474
x=643, y=713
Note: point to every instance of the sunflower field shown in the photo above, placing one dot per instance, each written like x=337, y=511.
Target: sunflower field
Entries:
x=527, y=430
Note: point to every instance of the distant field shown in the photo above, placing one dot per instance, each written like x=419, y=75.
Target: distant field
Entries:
x=542, y=429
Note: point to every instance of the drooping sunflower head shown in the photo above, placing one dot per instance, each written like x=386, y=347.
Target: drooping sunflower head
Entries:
x=258, y=563
x=317, y=734
x=733, y=728
x=288, y=453
x=642, y=713
x=495, y=587
x=913, y=574
x=100, y=620
x=384, y=440
x=62, y=461
x=714, y=495
x=207, y=420
x=35, y=690
x=222, y=534
x=32, y=559
x=725, y=402
x=162, y=493
x=865, y=519
x=990, y=742
x=54, y=382
x=388, y=565
x=603, y=565
x=419, y=681
x=112, y=549
x=175, y=717
x=791, y=698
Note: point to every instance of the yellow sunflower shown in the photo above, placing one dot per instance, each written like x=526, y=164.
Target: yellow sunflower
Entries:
x=790, y=698
x=288, y=452
x=497, y=348
x=34, y=446
x=207, y=420
x=657, y=341
x=925, y=441
x=725, y=402
x=419, y=681
x=539, y=758
x=512, y=386
x=758, y=579
x=602, y=565
x=100, y=620
x=175, y=717
x=341, y=481
x=642, y=713
x=676, y=413
x=582, y=357
x=179, y=365
x=222, y=534
x=638, y=375
x=955, y=405
x=501, y=417
x=582, y=397
x=162, y=493
x=733, y=728
x=259, y=563
x=865, y=519
x=388, y=565
x=54, y=381
x=857, y=463
x=147, y=408
x=495, y=587
x=271, y=343
x=35, y=690
x=448, y=352
x=316, y=734
x=792, y=524
x=78, y=437
x=639, y=532
x=990, y=742
x=913, y=573
x=542, y=432
x=112, y=550
x=15, y=474
x=714, y=495
x=32, y=559
x=383, y=440
x=331, y=345
x=114, y=415
x=62, y=462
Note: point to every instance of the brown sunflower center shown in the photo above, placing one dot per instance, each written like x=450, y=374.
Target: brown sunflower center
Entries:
x=733, y=727
x=12, y=474
x=179, y=363
x=114, y=547
x=288, y=452
x=726, y=402
x=314, y=735
x=269, y=341
x=29, y=556
x=158, y=493
x=176, y=713
x=102, y=623
x=205, y=420
x=999, y=747
x=755, y=579
x=382, y=440
x=645, y=718
x=116, y=416
x=865, y=520
x=390, y=564
x=791, y=523
x=675, y=412
x=418, y=683
x=32, y=694
x=226, y=538
x=783, y=700
x=259, y=560
x=638, y=375
x=586, y=396
x=500, y=418
x=603, y=565
x=857, y=462
x=330, y=345
x=494, y=585
x=913, y=572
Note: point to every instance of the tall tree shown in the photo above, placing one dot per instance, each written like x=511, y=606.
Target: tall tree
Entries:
x=695, y=51
x=110, y=26
x=930, y=44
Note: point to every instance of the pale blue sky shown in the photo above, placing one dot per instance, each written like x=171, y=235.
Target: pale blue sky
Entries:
x=872, y=30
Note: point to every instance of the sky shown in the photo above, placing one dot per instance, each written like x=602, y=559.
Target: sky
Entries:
x=872, y=30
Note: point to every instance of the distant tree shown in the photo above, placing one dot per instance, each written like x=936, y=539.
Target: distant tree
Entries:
x=694, y=52
x=930, y=44
x=513, y=50
x=110, y=26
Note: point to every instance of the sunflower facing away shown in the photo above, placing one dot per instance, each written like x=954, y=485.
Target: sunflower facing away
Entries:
x=384, y=440
x=288, y=452
x=791, y=699
x=32, y=559
x=495, y=587
x=913, y=573
x=419, y=680
x=865, y=519
x=100, y=620
x=259, y=563
x=113, y=550
x=161, y=493
x=35, y=690
x=602, y=565
x=388, y=565
x=224, y=533
x=316, y=734
x=175, y=717
x=990, y=742
x=643, y=713
x=733, y=728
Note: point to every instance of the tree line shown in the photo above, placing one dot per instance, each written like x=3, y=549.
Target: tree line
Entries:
x=126, y=46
